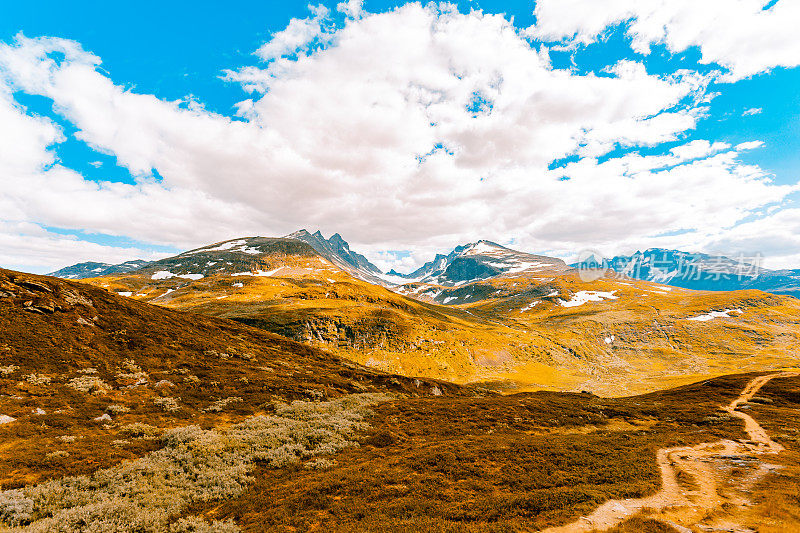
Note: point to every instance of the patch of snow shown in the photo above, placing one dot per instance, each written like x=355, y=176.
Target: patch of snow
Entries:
x=397, y=280
x=162, y=274
x=582, y=297
x=554, y=293
x=449, y=299
x=125, y=293
x=530, y=306
x=238, y=285
x=224, y=246
x=523, y=268
x=258, y=273
x=5, y=419
x=193, y=277
x=715, y=314
x=609, y=340
x=105, y=417
x=39, y=411
x=267, y=272
x=482, y=248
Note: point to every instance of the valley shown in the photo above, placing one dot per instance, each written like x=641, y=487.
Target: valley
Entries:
x=485, y=314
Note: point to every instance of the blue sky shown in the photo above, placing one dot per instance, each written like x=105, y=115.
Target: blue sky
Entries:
x=182, y=52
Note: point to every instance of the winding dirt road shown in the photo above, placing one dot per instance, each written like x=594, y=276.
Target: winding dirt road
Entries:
x=676, y=505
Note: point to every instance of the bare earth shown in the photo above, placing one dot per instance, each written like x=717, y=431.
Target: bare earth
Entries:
x=681, y=507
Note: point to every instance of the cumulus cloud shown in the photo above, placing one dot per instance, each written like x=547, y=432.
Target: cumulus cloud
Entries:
x=746, y=37
x=419, y=128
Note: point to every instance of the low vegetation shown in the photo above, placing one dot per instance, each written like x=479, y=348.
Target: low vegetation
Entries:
x=500, y=464
x=194, y=465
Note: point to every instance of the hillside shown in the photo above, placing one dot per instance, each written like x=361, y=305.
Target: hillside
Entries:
x=533, y=326
x=70, y=351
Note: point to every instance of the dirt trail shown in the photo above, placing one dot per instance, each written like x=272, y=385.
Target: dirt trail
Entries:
x=676, y=505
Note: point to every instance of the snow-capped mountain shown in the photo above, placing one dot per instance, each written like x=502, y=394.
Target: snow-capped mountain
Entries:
x=337, y=251
x=91, y=269
x=242, y=256
x=482, y=260
x=699, y=271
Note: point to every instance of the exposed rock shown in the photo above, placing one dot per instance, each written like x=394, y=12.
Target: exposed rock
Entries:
x=33, y=285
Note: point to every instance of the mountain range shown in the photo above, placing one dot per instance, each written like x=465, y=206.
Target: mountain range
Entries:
x=91, y=269
x=481, y=260
x=697, y=271
x=483, y=313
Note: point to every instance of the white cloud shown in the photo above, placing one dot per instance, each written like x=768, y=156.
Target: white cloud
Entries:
x=297, y=35
x=752, y=111
x=28, y=247
x=351, y=8
x=698, y=148
x=442, y=140
x=776, y=237
x=749, y=145
x=738, y=34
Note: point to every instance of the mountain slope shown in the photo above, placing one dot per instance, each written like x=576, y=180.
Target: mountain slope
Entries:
x=337, y=251
x=92, y=270
x=69, y=351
